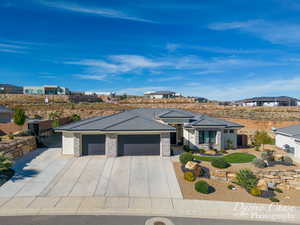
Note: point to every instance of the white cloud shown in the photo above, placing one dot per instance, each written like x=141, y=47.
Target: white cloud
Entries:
x=275, y=32
x=91, y=77
x=135, y=64
x=110, y=13
x=164, y=79
x=12, y=48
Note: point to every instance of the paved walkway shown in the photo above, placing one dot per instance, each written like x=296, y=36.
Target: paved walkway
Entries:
x=147, y=207
x=46, y=173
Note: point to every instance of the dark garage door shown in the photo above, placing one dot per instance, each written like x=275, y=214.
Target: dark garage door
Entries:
x=139, y=144
x=93, y=144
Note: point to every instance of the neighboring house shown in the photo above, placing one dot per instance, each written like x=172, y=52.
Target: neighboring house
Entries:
x=146, y=131
x=161, y=94
x=10, y=89
x=288, y=138
x=269, y=101
x=6, y=114
x=46, y=90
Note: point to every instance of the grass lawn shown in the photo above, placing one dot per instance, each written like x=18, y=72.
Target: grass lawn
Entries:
x=237, y=157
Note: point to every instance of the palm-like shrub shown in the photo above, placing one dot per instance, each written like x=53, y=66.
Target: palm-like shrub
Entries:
x=246, y=179
x=5, y=162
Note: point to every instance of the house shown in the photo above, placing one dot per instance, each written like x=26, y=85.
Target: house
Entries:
x=269, y=101
x=10, y=89
x=146, y=131
x=161, y=94
x=46, y=90
x=288, y=138
x=6, y=114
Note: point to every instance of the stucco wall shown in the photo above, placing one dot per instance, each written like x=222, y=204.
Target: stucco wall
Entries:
x=281, y=140
x=229, y=136
x=68, y=144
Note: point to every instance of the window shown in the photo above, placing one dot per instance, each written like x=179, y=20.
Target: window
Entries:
x=231, y=131
x=225, y=131
x=207, y=137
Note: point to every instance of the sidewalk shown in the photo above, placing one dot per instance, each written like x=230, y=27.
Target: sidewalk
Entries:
x=147, y=207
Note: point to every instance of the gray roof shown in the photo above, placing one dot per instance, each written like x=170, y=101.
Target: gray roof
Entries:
x=270, y=99
x=4, y=109
x=293, y=131
x=142, y=119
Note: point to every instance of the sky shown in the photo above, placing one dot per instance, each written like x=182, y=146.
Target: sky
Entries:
x=219, y=49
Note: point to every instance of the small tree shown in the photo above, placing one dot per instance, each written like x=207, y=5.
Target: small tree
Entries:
x=262, y=138
x=19, y=117
x=5, y=162
x=75, y=117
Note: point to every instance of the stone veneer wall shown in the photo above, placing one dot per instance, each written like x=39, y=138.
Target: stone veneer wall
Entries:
x=165, y=144
x=111, y=145
x=18, y=147
x=288, y=179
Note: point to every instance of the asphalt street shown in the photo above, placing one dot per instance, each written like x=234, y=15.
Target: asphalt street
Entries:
x=115, y=220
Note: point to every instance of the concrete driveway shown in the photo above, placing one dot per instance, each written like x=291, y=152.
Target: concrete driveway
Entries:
x=45, y=172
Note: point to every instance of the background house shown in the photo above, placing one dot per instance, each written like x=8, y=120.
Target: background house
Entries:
x=161, y=94
x=269, y=101
x=6, y=114
x=10, y=89
x=288, y=138
x=46, y=90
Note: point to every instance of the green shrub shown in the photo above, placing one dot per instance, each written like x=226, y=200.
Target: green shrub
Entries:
x=229, y=144
x=230, y=186
x=185, y=157
x=287, y=161
x=55, y=123
x=255, y=191
x=278, y=190
x=202, y=187
x=189, y=176
x=273, y=199
x=259, y=163
x=19, y=117
x=5, y=162
x=246, y=179
x=75, y=117
x=268, y=155
x=220, y=163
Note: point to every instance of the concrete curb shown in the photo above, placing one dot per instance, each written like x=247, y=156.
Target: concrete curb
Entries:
x=174, y=208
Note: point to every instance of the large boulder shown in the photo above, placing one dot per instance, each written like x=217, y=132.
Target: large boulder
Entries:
x=262, y=185
x=278, y=157
x=190, y=165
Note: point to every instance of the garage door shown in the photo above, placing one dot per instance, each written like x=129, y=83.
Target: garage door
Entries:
x=93, y=144
x=139, y=144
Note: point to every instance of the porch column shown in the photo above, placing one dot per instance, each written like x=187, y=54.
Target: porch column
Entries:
x=165, y=144
x=111, y=145
x=77, y=145
x=219, y=140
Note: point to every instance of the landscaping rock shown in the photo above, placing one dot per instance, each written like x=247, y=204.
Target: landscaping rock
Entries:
x=190, y=165
x=262, y=185
x=210, y=152
x=278, y=157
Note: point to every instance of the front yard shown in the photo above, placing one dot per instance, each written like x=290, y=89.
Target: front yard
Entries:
x=238, y=160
